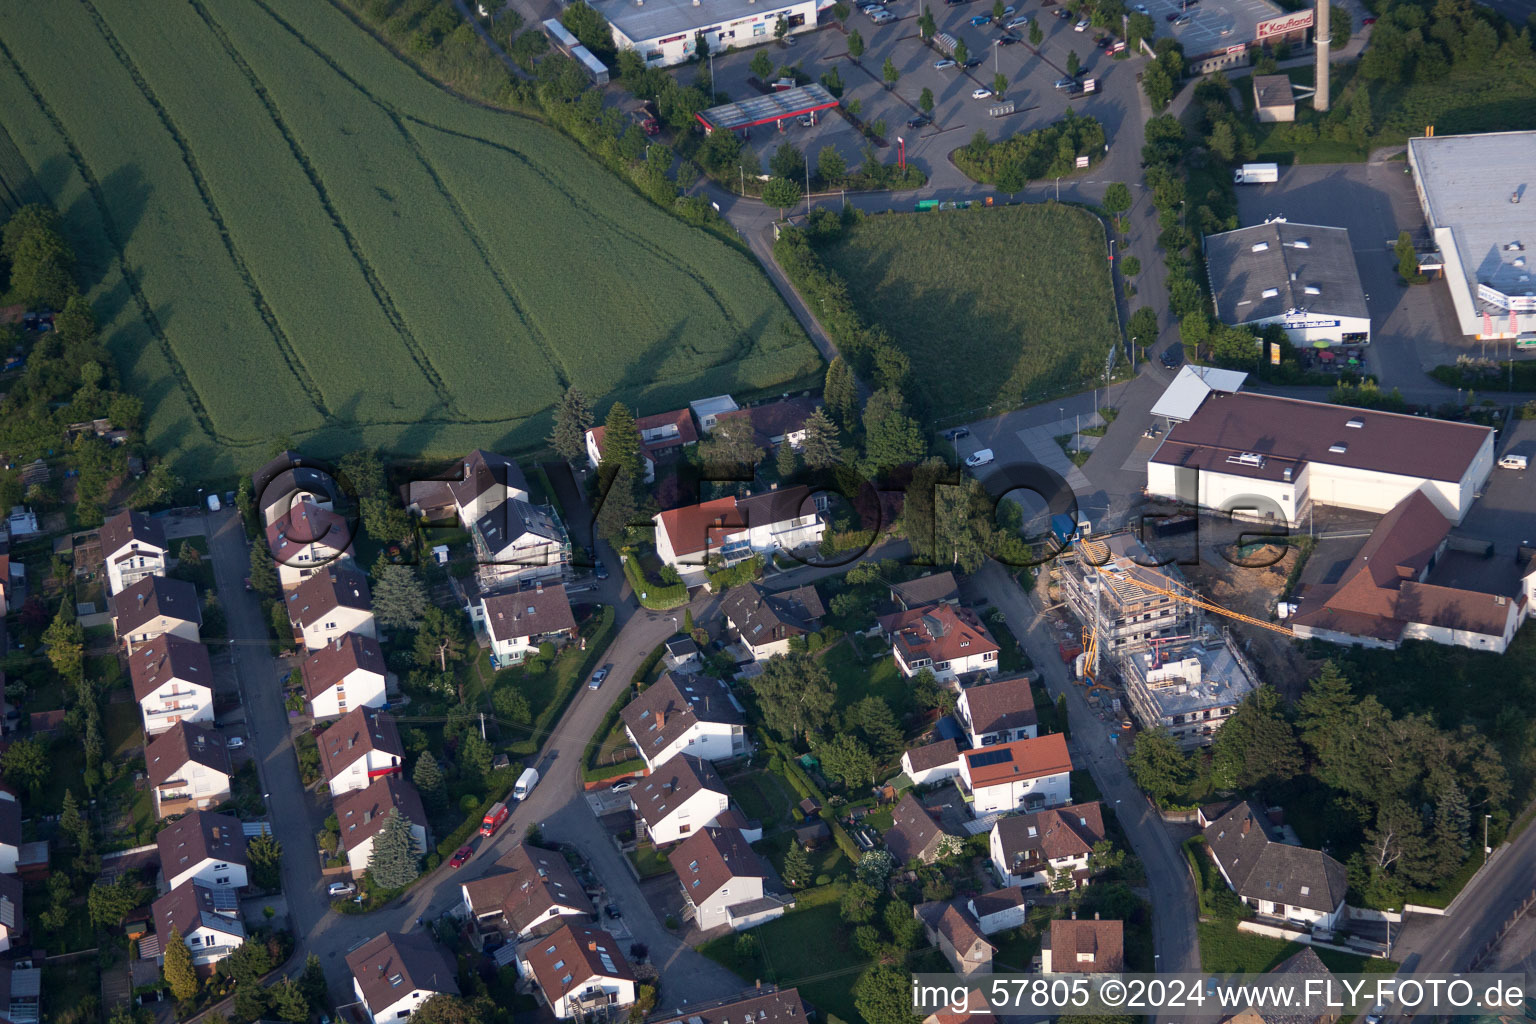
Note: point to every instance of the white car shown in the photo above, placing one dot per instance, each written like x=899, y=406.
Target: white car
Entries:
x=341, y=889
x=1513, y=462
x=980, y=94
x=1081, y=26
x=235, y=742
x=1018, y=22
x=981, y=458
x=1141, y=9
x=940, y=65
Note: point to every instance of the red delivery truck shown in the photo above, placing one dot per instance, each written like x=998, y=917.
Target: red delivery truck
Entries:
x=494, y=818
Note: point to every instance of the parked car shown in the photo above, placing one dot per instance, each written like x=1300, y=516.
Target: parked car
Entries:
x=806, y=121
x=1063, y=14
x=1018, y=22
x=461, y=857
x=1513, y=462
x=1007, y=40
x=1010, y=9
x=1141, y=9
x=981, y=19
x=624, y=786
x=981, y=458
x=1183, y=19
x=919, y=121
x=1082, y=26
x=940, y=65
x=341, y=889
x=599, y=676
x=974, y=62
x=235, y=742
x=1171, y=16
x=613, y=911
x=601, y=571
x=1172, y=356
x=1105, y=42
x=956, y=433
x=1064, y=84
x=981, y=93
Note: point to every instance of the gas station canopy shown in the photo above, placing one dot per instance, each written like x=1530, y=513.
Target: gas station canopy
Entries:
x=775, y=106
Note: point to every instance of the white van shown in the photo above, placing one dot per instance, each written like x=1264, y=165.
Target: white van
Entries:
x=1513, y=462
x=525, y=784
x=213, y=503
x=981, y=458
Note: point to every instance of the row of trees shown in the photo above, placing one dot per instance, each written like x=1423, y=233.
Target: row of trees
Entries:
x=1051, y=151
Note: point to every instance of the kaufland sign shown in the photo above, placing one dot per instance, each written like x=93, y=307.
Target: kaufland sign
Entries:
x=1282, y=25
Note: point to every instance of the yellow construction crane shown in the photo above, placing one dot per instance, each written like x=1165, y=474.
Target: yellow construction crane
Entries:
x=1217, y=609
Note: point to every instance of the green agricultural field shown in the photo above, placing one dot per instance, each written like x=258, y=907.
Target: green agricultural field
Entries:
x=995, y=306
x=288, y=231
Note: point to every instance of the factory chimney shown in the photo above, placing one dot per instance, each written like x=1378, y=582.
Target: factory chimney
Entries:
x=1321, y=33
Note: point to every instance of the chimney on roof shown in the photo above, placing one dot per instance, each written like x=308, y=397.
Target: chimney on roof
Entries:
x=1247, y=822
x=661, y=719
x=592, y=945
x=1514, y=197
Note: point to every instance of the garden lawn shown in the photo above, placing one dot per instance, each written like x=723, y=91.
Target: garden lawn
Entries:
x=856, y=679
x=764, y=796
x=649, y=861
x=995, y=306
x=250, y=189
x=810, y=943
x=124, y=727
x=1225, y=950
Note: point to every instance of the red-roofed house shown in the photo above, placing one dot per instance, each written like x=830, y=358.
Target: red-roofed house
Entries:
x=661, y=436
x=361, y=813
x=1083, y=947
x=172, y=681
x=948, y=641
x=1025, y=774
x=735, y=529
x=305, y=540
x=956, y=935
x=1027, y=848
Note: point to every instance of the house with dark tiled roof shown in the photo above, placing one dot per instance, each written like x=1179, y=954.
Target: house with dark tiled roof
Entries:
x=172, y=681
x=484, y=481
x=394, y=973
x=764, y=1004
x=519, y=621
x=662, y=436
x=955, y=933
x=305, y=540
x=781, y=421
x=1277, y=880
x=517, y=543
x=204, y=846
x=188, y=769
x=287, y=480
x=578, y=970
x=913, y=834
x=948, y=641
x=1074, y=946
x=155, y=606
x=1022, y=775
x=207, y=919
x=1306, y=963
x=683, y=656
x=724, y=881
x=532, y=888
x=330, y=604
x=677, y=799
x=359, y=748
x=361, y=813
x=1026, y=848
x=933, y=762
x=692, y=714
x=132, y=546
x=999, y=712
x=764, y=621
x=345, y=674
x=935, y=588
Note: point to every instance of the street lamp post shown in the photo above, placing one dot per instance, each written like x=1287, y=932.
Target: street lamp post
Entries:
x=1486, y=848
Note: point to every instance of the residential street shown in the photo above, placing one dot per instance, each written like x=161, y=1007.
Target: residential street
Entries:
x=1173, y=893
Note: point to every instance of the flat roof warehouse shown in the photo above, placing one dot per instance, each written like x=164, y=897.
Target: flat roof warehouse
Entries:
x=642, y=20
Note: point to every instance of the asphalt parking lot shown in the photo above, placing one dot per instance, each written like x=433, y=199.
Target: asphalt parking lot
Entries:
x=1213, y=24
x=1031, y=75
x=1413, y=330
x=1506, y=513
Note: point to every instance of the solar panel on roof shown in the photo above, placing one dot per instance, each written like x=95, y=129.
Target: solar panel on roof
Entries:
x=225, y=899
x=983, y=758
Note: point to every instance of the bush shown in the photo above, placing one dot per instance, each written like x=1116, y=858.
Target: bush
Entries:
x=658, y=596
x=642, y=676
x=1029, y=156
x=742, y=572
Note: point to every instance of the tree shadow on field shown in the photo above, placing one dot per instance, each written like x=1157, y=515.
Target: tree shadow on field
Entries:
x=126, y=195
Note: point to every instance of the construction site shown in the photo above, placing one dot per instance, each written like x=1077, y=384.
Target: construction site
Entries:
x=1141, y=643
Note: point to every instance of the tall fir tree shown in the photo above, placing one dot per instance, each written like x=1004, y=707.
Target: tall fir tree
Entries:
x=393, y=863
x=428, y=778
x=621, y=441
x=841, y=393
x=821, y=448
x=572, y=420
x=180, y=975
x=797, y=866
x=399, y=596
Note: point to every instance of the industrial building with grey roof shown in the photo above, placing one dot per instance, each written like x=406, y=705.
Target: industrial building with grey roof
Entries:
x=1301, y=276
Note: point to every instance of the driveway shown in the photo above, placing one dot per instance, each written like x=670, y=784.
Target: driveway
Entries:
x=1173, y=894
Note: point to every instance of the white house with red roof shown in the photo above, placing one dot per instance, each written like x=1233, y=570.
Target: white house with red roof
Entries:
x=362, y=746
x=329, y=604
x=661, y=435
x=344, y=675
x=362, y=813
x=1023, y=775
x=172, y=681
x=188, y=768
x=1027, y=849
x=132, y=546
x=734, y=529
x=948, y=641
x=306, y=539
x=579, y=970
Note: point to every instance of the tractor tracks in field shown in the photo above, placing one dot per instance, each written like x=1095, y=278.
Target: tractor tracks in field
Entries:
x=381, y=294
x=115, y=240
x=258, y=299
x=551, y=356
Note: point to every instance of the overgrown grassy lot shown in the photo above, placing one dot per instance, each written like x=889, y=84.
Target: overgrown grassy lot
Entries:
x=288, y=231
x=995, y=306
